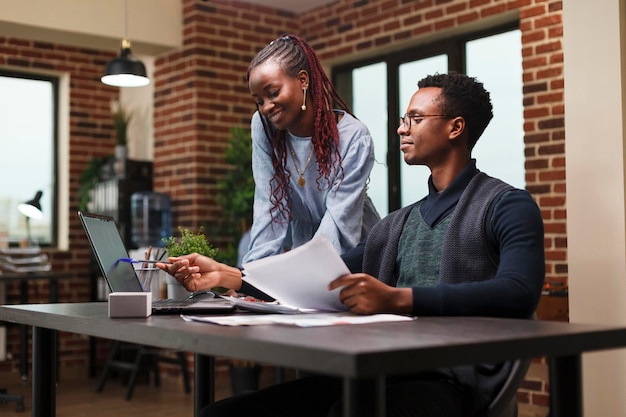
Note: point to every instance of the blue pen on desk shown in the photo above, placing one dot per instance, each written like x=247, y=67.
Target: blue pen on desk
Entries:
x=141, y=261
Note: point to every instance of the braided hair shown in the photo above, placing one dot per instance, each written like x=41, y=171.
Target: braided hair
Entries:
x=293, y=54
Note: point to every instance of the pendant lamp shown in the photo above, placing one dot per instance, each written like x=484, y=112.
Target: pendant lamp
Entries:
x=125, y=71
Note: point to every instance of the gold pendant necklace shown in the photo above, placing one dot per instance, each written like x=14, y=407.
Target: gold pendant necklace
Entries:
x=301, y=180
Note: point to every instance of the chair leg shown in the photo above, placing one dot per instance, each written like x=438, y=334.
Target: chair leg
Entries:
x=154, y=366
x=134, y=373
x=115, y=347
x=184, y=370
x=280, y=374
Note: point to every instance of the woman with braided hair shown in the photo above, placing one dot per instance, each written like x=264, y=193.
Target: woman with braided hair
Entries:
x=311, y=163
x=311, y=160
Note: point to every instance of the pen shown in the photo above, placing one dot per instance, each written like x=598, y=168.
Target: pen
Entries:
x=147, y=261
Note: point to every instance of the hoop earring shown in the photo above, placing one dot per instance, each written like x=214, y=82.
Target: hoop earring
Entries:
x=304, y=99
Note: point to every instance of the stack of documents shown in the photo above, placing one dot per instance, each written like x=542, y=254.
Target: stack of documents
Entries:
x=22, y=260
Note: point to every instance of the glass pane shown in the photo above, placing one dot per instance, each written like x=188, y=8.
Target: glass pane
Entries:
x=27, y=140
x=369, y=95
x=413, y=179
x=500, y=150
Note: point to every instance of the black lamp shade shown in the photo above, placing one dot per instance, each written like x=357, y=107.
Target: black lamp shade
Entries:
x=32, y=208
x=125, y=71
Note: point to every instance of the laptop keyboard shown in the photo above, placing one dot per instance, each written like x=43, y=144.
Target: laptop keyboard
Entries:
x=172, y=302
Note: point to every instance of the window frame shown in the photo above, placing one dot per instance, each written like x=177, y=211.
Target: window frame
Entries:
x=453, y=47
x=54, y=179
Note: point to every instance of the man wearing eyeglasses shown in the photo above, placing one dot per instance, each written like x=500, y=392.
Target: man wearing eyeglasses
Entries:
x=472, y=247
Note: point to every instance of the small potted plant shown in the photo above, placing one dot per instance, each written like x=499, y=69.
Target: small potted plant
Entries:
x=188, y=242
x=121, y=120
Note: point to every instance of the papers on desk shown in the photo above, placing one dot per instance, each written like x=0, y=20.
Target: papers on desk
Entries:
x=22, y=260
x=18, y=251
x=299, y=278
x=26, y=268
x=298, y=320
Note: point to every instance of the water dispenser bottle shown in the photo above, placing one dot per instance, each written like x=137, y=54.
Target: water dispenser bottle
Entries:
x=151, y=218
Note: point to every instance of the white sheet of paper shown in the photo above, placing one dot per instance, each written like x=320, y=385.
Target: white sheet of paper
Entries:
x=300, y=277
x=298, y=320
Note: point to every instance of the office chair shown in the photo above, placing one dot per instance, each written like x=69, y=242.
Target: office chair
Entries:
x=505, y=402
x=139, y=358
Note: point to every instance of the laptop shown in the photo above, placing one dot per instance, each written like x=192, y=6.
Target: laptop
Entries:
x=108, y=248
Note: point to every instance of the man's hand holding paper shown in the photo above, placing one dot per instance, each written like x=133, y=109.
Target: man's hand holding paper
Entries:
x=300, y=278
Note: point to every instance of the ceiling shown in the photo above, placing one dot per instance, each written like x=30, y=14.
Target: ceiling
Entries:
x=97, y=24
x=295, y=6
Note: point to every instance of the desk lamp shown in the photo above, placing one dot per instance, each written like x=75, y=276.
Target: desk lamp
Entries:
x=32, y=210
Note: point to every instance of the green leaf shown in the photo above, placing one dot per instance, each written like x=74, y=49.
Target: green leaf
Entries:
x=89, y=178
x=188, y=243
x=235, y=192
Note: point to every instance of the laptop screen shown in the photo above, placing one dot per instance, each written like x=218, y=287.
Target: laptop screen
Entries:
x=107, y=247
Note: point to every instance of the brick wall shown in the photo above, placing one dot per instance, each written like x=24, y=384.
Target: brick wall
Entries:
x=91, y=134
x=200, y=94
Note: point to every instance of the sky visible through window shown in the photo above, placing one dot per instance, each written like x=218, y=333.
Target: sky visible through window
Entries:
x=26, y=160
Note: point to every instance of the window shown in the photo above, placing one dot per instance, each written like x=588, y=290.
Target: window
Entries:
x=28, y=139
x=379, y=90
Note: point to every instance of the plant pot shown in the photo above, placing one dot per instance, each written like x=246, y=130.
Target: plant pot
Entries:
x=175, y=289
x=121, y=153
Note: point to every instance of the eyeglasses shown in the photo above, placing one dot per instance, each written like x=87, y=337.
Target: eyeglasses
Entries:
x=406, y=119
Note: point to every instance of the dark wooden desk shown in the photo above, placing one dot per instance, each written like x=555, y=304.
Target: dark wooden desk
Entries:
x=360, y=354
x=53, y=296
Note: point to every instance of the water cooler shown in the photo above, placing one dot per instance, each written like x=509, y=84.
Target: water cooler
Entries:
x=151, y=218
x=151, y=221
